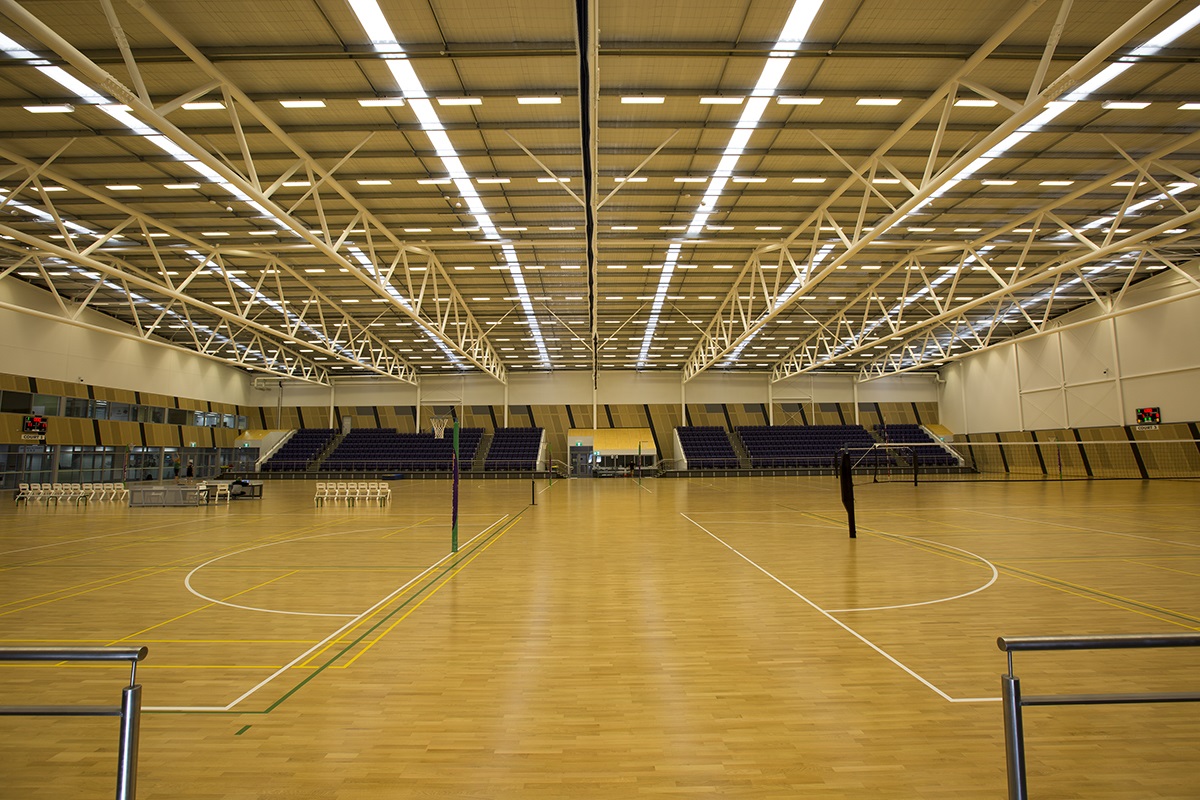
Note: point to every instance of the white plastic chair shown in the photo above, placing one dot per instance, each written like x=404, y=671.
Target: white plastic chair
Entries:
x=119, y=491
x=24, y=492
x=219, y=489
x=321, y=494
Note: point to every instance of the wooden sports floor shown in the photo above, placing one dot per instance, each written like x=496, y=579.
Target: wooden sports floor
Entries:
x=682, y=638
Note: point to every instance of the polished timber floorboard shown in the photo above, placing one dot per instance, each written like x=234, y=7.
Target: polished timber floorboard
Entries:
x=680, y=638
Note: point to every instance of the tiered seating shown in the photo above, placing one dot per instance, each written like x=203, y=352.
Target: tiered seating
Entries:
x=707, y=447
x=514, y=449
x=930, y=452
x=385, y=450
x=299, y=451
x=800, y=445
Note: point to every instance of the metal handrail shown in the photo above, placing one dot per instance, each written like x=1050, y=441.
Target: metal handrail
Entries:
x=129, y=710
x=1013, y=702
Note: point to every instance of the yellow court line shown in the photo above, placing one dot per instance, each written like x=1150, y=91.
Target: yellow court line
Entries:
x=76, y=586
x=88, y=591
x=407, y=527
x=931, y=548
x=168, y=641
x=158, y=539
x=430, y=594
x=1114, y=595
x=382, y=610
x=175, y=564
x=141, y=666
x=1165, y=569
x=1092, y=597
x=201, y=608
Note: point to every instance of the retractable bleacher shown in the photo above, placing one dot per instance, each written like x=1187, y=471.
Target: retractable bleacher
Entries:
x=707, y=447
x=930, y=452
x=385, y=450
x=800, y=446
x=299, y=451
x=514, y=449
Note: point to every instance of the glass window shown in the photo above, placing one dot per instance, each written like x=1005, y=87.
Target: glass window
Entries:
x=177, y=416
x=121, y=412
x=45, y=404
x=100, y=409
x=242, y=423
x=77, y=407
x=16, y=402
x=227, y=420
x=157, y=413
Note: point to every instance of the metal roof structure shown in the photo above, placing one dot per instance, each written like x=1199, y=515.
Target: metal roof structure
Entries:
x=325, y=189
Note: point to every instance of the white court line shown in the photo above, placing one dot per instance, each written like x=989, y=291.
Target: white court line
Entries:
x=328, y=638
x=991, y=566
x=187, y=581
x=843, y=625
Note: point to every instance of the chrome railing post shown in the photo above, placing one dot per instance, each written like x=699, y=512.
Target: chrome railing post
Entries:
x=1014, y=737
x=127, y=744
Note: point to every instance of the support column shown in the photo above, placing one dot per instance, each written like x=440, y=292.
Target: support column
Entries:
x=333, y=423
x=1062, y=371
x=770, y=402
x=1120, y=386
x=1017, y=379
x=683, y=420
x=854, y=387
x=506, y=404
x=417, y=416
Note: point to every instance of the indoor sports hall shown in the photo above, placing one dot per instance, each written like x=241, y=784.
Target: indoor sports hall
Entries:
x=782, y=399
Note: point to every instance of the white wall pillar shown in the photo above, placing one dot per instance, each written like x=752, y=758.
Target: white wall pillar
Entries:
x=1017, y=380
x=1119, y=385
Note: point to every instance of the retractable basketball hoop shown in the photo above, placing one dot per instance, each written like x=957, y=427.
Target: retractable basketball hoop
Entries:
x=439, y=426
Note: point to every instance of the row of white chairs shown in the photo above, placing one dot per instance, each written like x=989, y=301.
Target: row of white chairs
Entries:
x=78, y=492
x=212, y=491
x=352, y=491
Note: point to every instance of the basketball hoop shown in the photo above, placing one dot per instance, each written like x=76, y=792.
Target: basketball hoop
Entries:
x=439, y=426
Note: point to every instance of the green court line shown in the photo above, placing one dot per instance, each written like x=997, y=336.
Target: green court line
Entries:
x=378, y=623
x=415, y=595
x=1125, y=601
x=243, y=730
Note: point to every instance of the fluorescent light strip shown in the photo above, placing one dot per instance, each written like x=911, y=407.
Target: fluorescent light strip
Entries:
x=383, y=40
x=122, y=115
x=794, y=30
x=1055, y=108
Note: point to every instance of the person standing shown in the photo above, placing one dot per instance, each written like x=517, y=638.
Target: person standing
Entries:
x=191, y=472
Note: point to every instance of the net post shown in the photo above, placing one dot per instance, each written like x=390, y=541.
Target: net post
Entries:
x=915, y=452
x=847, y=483
x=454, y=493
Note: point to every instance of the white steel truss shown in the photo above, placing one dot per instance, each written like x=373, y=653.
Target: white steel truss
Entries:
x=327, y=219
x=1029, y=278
x=806, y=258
x=147, y=274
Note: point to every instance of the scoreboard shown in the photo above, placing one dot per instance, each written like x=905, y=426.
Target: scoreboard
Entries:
x=1149, y=416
